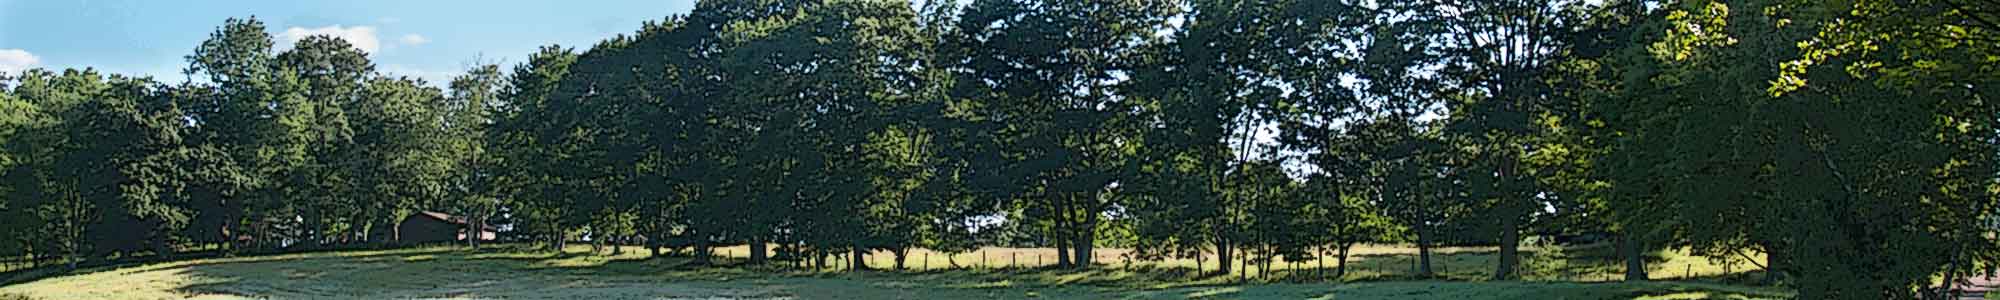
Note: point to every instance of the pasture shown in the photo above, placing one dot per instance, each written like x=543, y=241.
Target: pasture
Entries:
x=514, y=273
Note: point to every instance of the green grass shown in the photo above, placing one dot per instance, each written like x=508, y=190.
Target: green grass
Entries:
x=509, y=274
x=1368, y=262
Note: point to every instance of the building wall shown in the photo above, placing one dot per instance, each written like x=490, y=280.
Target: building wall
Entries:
x=420, y=229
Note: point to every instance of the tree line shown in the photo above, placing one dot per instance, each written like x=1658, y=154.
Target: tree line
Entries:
x=1847, y=142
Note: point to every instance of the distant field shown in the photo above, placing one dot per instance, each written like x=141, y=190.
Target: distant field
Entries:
x=449, y=273
x=1369, y=262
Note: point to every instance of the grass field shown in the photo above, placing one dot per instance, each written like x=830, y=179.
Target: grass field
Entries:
x=1368, y=262
x=448, y=273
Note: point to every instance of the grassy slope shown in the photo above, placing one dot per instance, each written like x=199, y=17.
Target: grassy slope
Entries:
x=448, y=273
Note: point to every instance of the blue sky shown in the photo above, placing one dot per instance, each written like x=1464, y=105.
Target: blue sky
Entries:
x=430, y=39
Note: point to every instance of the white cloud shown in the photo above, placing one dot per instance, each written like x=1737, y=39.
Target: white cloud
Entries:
x=415, y=39
x=13, y=61
x=362, y=37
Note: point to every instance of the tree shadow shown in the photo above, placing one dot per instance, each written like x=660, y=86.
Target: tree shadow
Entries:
x=455, y=272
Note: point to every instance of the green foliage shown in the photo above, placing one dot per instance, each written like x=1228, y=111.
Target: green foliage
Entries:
x=517, y=141
x=1834, y=138
x=1814, y=161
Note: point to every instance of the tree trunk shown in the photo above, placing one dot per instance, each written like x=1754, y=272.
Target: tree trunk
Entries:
x=1775, y=262
x=1198, y=257
x=1341, y=271
x=1320, y=269
x=229, y=238
x=1264, y=266
x=1423, y=255
x=313, y=225
x=1083, y=247
x=702, y=252
x=758, y=254
x=819, y=259
x=1949, y=289
x=471, y=233
x=1062, y=248
x=1243, y=271
x=558, y=240
x=1222, y=256
x=1635, y=258
x=859, y=261
x=161, y=249
x=902, y=253
x=1510, y=248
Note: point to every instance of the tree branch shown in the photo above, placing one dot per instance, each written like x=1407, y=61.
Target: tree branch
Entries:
x=1753, y=261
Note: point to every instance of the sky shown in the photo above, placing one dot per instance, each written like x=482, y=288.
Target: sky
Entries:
x=429, y=39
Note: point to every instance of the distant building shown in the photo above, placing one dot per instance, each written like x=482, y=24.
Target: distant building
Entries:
x=435, y=227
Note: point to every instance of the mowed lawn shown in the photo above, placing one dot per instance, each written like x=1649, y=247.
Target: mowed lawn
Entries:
x=456, y=273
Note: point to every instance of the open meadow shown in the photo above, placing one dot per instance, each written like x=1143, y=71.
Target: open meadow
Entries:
x=513, y=273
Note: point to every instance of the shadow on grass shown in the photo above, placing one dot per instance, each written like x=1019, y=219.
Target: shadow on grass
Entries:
x=520, y=272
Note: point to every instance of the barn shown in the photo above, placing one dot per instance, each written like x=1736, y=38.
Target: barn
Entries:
x=434, y=227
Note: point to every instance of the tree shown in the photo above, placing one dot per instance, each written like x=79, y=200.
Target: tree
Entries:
x=471, y=110
x=237, y=119
x=1606, y=184
x=406, y=155
x=18, y=118
x=1274, y=210
x=331, y=73
x=100, y=181
x=1500, y=53
x=530, y=187
x=43, y=201
x=1347, y=218
x=1815, y=163
x=1413, y=178
x=1044, y=70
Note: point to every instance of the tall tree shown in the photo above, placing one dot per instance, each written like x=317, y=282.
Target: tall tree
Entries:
x=1046, y=71
x=1808, y=143
x=239, y=119
x=530, y=186
x=470, y=111
x=45, y=200
x=331, y=72
x=1501, y=53
x=405, y=156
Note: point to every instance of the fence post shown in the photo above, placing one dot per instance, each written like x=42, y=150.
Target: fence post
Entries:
x=1014, y=260
x=1689, y=272
x=927, y=260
